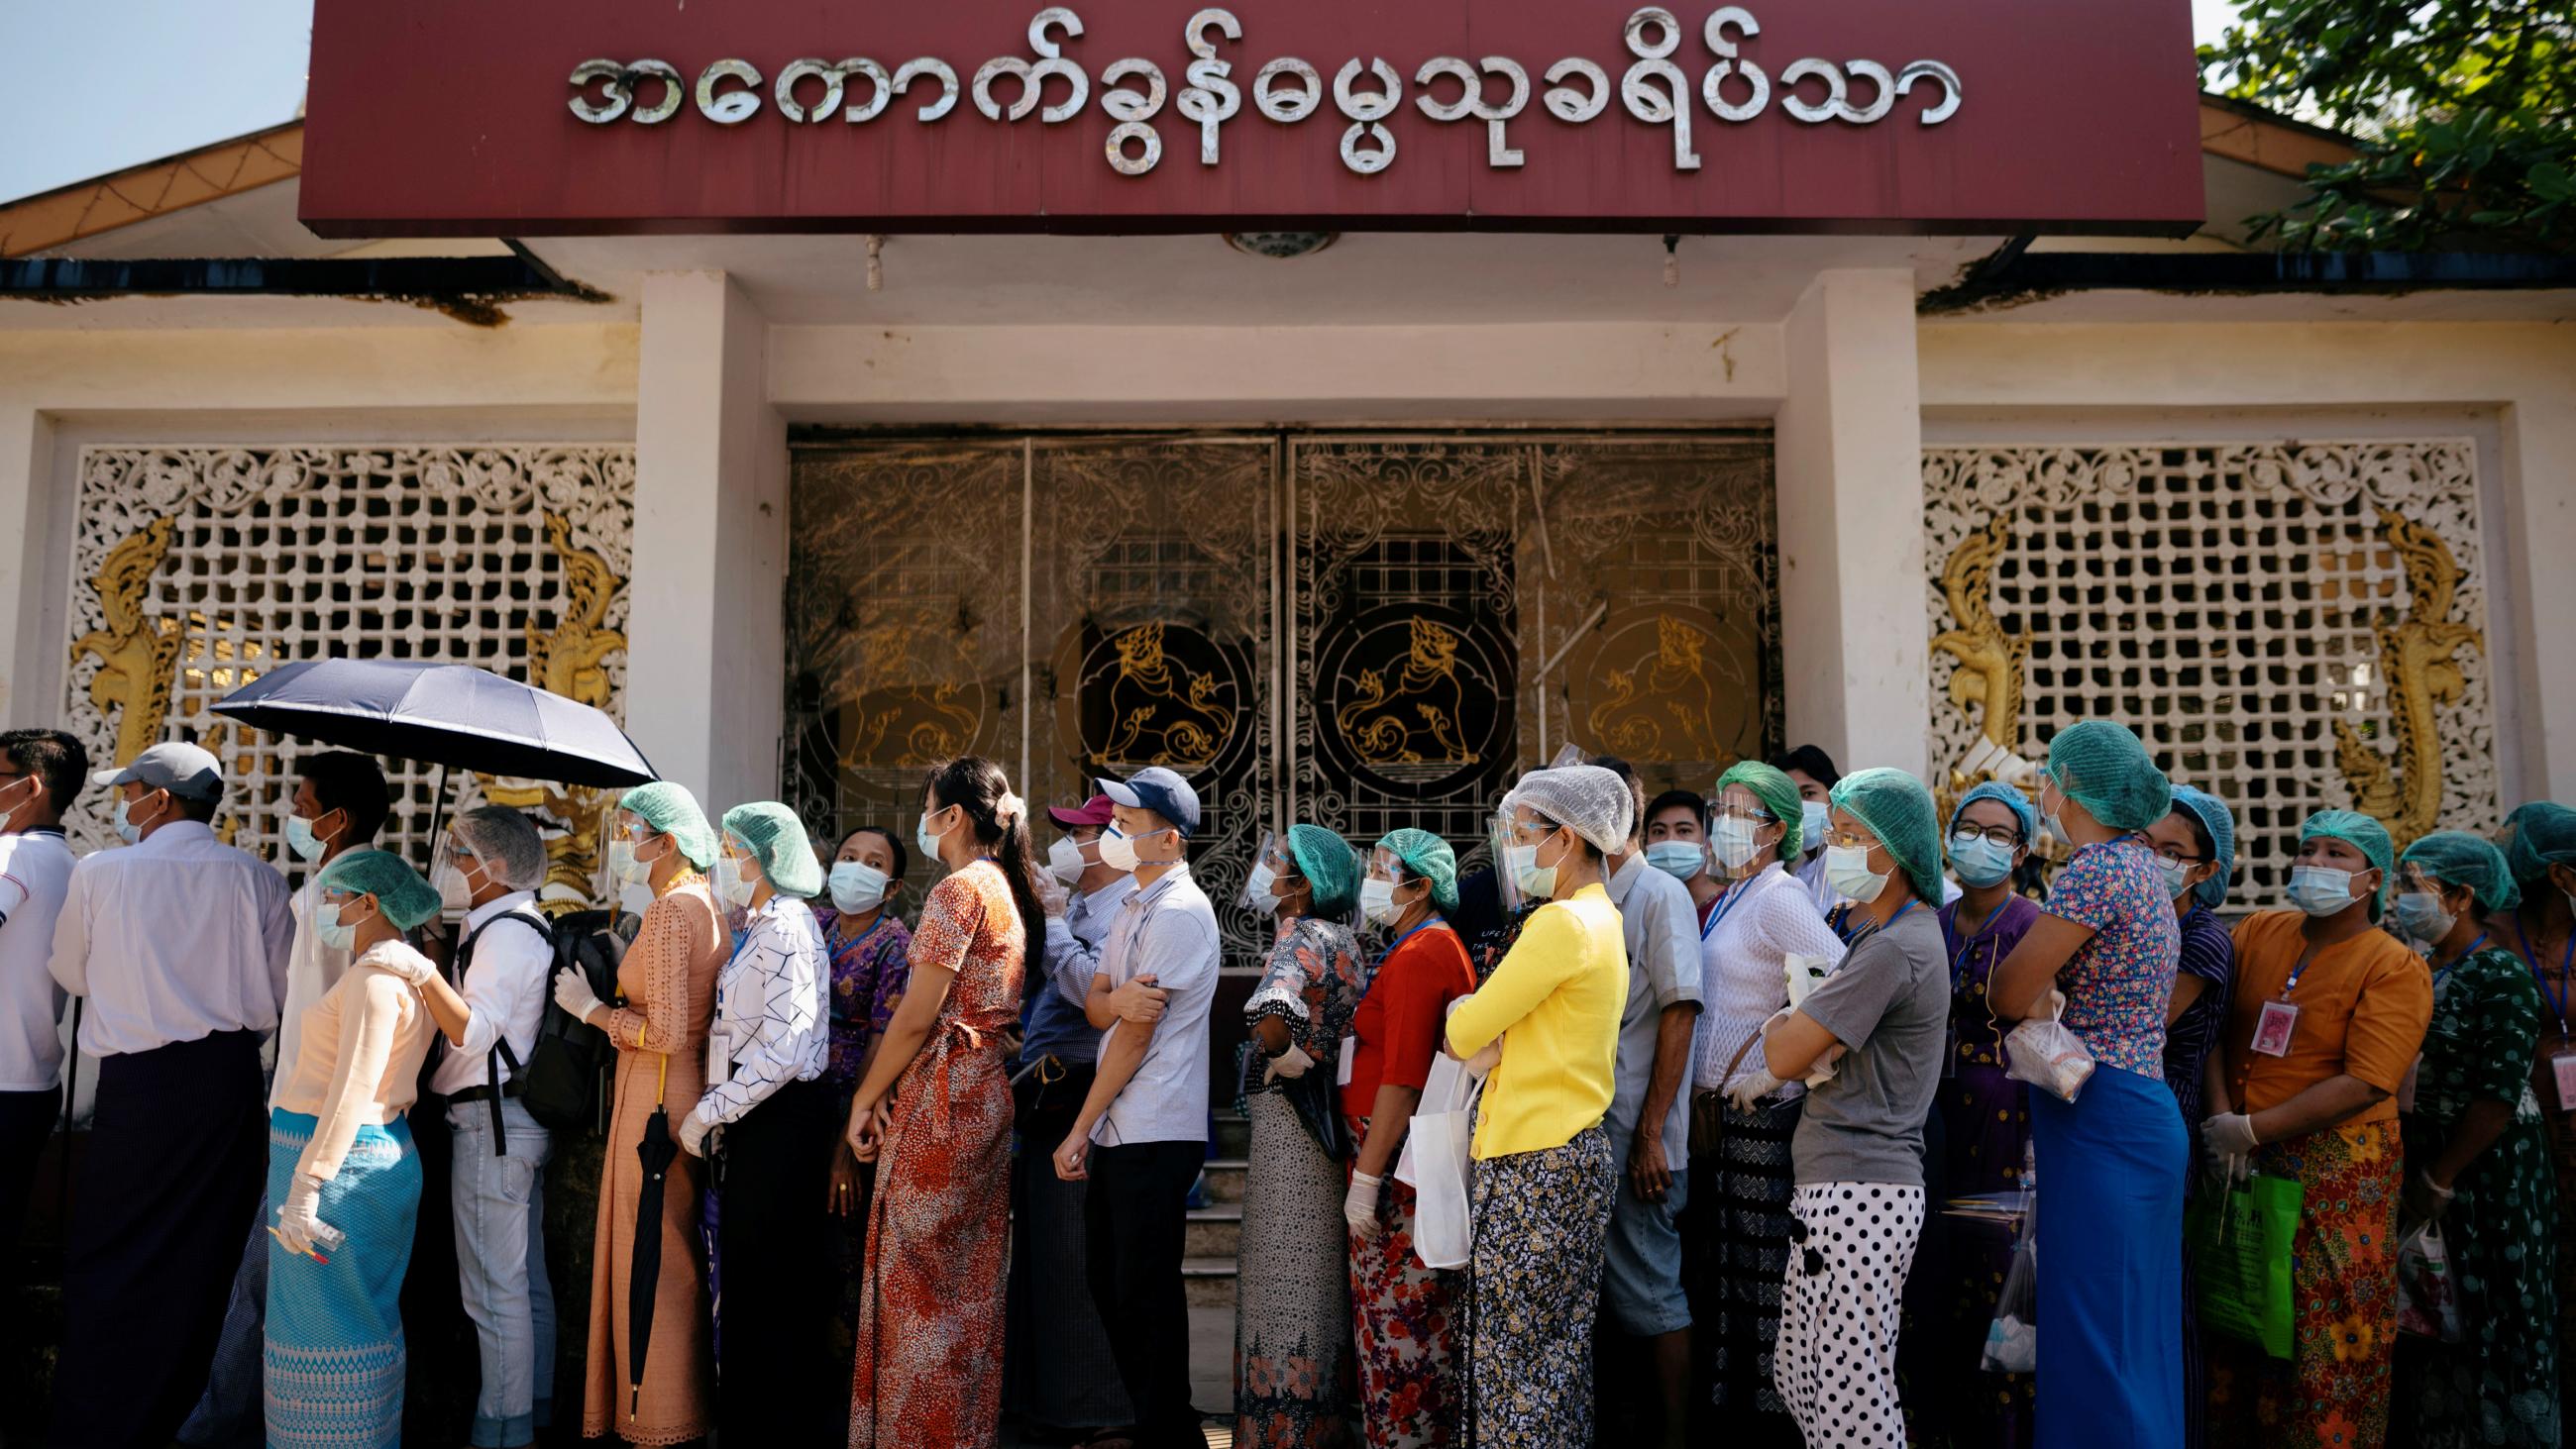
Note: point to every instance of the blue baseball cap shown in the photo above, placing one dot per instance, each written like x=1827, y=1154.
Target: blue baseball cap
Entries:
x=1162, y=791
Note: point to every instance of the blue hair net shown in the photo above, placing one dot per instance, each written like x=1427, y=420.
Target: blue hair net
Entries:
x=2025, y=814
x=400, y=893
x=1898, y=810
x=1428, y=856
x=2104, y=768
x=672, y=810
x=2363, y=833
x=1330, y=866
x=2538, y=836
x=776, y=838
x=1778, y=794
x=2214, y=817
x=2455, y=857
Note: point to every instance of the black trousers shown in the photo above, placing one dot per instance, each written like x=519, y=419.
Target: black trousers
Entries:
x=178, y=1151
x=1135, y=1215
x=775, y=1383
x=26, y=1119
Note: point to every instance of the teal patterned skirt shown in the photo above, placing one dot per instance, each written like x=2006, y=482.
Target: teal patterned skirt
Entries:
x=334, y=1359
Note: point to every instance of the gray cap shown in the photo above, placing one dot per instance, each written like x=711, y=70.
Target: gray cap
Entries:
x=1162, y=791
x=183, y=769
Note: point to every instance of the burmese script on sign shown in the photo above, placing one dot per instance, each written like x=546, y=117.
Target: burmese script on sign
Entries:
x=1653, y=88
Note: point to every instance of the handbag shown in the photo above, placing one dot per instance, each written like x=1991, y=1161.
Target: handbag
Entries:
x=1439, y=1164
x=2240, y=1243
x=2428, y=1292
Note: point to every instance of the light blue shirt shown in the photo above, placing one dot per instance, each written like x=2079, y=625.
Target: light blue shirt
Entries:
x=1056, y=1026
x=1166, y=930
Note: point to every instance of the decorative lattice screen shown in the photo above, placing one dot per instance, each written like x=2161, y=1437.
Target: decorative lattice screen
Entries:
x=196, y=569
x=2290, y=626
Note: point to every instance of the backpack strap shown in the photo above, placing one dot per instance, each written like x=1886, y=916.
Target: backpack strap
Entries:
x=500, y=1051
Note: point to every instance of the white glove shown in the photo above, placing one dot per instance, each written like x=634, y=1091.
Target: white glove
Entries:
x=1292, y=1064
x=1751, y=1086
x=1359, y=1205
x=693, y=1133
x=1823, y=1071
x=1052, y=896
x=2229, y=1136
x=415, y=970
x=299, y=1225
x=573, y=993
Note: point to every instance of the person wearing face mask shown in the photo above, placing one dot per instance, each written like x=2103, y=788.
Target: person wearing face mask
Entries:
x=41, y=772
x=1742, y=1118
x=1293, y=1300
x=1649, y=1126
x=2539, y=844
x=1877, y=1022
x=486, y=1004
x=1677, y=845
x=1546, y=1172
x=1058, y=1375
x=2477, y=1163
x=2327, y=1018
x=2104, y=950
x=1812, y=771
x=180, y=943
x=1404, y=1314
x=1142, y=1130
x=343, y=1169
x=659, y=839
x=935, y=1114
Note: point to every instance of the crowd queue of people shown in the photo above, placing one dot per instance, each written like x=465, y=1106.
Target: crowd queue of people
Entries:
x=1737, y=1053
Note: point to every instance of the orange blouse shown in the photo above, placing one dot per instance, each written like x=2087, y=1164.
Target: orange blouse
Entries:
x=2363, y=1007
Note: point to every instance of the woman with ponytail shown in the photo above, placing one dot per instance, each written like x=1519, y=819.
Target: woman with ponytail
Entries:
x=934, y=1115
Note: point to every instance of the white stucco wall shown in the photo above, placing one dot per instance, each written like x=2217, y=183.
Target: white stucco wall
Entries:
x=2519, y=380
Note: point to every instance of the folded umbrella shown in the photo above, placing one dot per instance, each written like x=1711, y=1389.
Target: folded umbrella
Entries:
x=441, y=714
x=656, y=1149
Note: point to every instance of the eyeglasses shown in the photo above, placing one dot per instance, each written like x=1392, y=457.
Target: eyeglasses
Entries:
x=1850, y=839
x=2178, y=855
x=2001, y=837
x=1754, y=813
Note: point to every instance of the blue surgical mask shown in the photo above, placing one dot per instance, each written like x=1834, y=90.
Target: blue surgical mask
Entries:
x=1847, y=870
x=1813, y=817
x=301, y=839
x=2177, y=874
x=732, y=886
x=623, y=865
x=330, y=929
x=2320, y=890
x=1680, y=859
x=856, y=886
x=1537, y=882
x=123, y=819
x=922, y=837
x=2421, y=917
x=1980, y=862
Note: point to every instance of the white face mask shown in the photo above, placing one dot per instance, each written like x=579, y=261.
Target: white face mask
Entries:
x=1813, y=817
x=1118, y=850
x=1847, y=870
x=855, y=886
x=455, y=893
x=2320, y=890
x=1064, y=860
x=1734, y=842
x=1377, y=901
x=733, y=886
x=1256, y=889
x=1537, y=882
x=20, y=794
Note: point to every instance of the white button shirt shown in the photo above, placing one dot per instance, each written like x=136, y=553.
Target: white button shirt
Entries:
x=505, y=989
x=312, y=970
x=35, y=871
x=773, y=1018
x=173, y=940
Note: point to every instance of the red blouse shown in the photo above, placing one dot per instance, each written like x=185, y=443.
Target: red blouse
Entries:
x=1399, y=1021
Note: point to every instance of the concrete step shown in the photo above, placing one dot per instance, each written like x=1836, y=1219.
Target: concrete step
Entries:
x=1209, y=1282
x=1233, y=1135
x=1224, y=1177
x=1215, y=1232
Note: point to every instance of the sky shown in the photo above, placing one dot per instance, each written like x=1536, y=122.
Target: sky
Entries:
x=212, y=70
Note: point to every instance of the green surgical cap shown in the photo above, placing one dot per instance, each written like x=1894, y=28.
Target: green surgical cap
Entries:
x=2024, y=814
x=2455, y=857
x=2105, y=769
x=405, y=898
x=776, y=838
x=2368, y=835
x=2214, y=817
x=1428, y=856
x=1329, y=865
x=1898, y=810
x=2539, y=835
x=672, y=810
x=1778, y=794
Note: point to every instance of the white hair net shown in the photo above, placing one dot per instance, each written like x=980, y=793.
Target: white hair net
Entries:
x=506, y=842
x=1593, y=802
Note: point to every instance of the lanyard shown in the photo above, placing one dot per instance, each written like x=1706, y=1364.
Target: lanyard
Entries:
x=873, y=927
x=1726, y=902
x=1393, y=946
x=2469, y=951
x=1865, y=932
x=1968, y=942
x=2559, y=1001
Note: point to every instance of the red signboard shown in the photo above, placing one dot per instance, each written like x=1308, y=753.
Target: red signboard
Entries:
x=564, y=116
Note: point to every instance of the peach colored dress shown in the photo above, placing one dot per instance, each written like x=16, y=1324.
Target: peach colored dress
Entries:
x=669, y=981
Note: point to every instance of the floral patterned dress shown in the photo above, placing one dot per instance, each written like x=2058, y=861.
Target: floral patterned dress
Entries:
x=2500, y=1385
x=928, y=1366
x=869, y=972
x=1292, y=1325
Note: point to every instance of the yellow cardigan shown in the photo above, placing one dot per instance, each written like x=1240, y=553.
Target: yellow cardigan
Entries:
x=1555, y=1002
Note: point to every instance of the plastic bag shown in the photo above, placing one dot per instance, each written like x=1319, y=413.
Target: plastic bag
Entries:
x=2047, y=1055
x=2428, y=1295
x=2240, y=1246
x=1439, y=1162
x=1804, y=972
x=2012, y=1339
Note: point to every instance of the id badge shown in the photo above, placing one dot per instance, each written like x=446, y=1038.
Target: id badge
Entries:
x=719, y=1057
x=2564, y=1066
x=2272, y=1029
x=1342, y=1067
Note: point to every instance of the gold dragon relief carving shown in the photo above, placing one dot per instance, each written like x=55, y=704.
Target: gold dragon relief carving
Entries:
x=1989, y=672
x=2418, y=661
x=900, y=719
x=1419, y=720
x=1667, y=689
x=571, y=660
x=138, y=652
x=1161, y=712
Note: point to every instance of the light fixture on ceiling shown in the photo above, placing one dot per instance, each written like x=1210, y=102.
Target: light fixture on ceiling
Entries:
x=1280, y=245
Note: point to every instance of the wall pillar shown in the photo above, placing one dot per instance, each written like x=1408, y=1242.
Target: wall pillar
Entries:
x=1854, y=641
x=31, y=619
x=706, y=644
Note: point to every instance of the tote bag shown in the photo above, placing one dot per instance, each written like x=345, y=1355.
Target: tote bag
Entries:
x=1438, y=1164
x=2240, y=1244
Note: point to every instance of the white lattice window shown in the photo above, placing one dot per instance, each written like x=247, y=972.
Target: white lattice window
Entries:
x=196, y=569
x=2289, y=626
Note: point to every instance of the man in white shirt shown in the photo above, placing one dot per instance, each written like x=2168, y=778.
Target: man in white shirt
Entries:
x=40, y=773
x=180, y=943
x=487, y=1007
x=339, y=804
x=1142, y=1133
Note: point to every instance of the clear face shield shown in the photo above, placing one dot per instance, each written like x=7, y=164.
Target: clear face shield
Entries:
x=1499, y=838
x=1272, y=867
x=456, y=873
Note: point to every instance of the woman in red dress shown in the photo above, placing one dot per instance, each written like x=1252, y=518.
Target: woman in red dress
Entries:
x=928, y=1373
